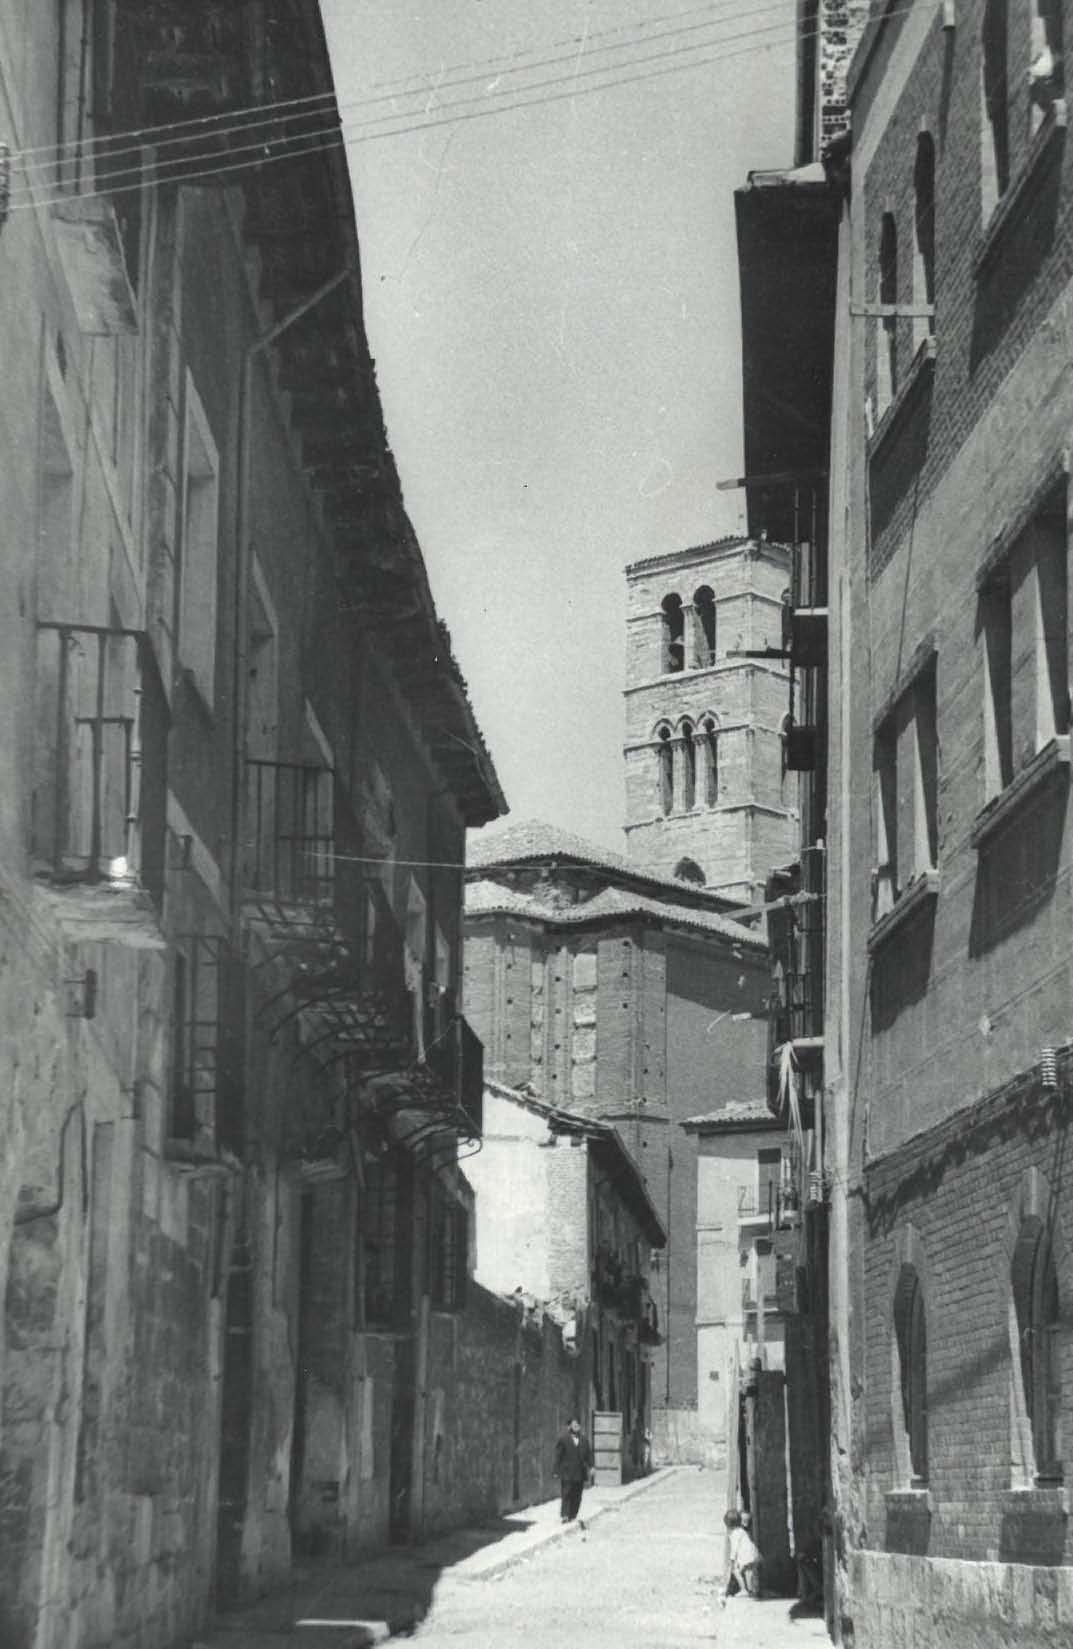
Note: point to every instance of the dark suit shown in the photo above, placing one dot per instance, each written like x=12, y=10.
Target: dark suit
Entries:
x=573, y=1463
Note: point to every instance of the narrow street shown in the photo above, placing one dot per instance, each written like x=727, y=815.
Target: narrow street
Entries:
x=644, y=1574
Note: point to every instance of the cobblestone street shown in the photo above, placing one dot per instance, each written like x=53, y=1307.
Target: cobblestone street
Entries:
x=643, y=1574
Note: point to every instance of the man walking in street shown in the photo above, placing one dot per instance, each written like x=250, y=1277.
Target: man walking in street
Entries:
x=573, y=1464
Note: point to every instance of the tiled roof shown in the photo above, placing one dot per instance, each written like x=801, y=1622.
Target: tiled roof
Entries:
x=691, y=550
x=603, y=1134
x=532, y=839
x=739, y=1114
x=488, y=898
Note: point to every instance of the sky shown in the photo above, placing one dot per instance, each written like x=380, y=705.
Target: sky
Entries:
x=551, y=296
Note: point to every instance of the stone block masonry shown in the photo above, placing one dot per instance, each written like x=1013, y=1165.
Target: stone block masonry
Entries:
x=500, y=1387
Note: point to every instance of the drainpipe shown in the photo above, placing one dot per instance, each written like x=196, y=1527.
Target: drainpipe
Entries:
x=245, y=473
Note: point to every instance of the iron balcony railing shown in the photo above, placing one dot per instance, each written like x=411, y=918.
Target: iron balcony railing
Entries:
x=456, y=1055
x=797, y=935
x=99, y=761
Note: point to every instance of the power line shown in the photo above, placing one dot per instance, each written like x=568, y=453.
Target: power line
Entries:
x=426, y=78
x=247, y=119
x=283, y=148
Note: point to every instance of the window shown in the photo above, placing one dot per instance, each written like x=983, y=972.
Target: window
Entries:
x=379, y=1244
x=689, y=767
x=906, y=779
x=198, y=568
x=924, y=236
x=710, y=756
x=448, y=1232
x=887, y=325
x=688, y=870
x=262, y=704
x=704, y=617
x=768, y=1181
x=1023, y=630
x=911, y=1346
x=1046, y=76
x=195, y=1037
x=674, y=623
x=665, y=761
x=994, y=95
x=1038, y=1366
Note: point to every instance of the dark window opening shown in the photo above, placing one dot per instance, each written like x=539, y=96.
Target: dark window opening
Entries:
x=910, y=1330
x=887, y=335
x=924, y=223
x=711, y=762
x=665, y=759
x=704, y=612
x=689, y=767
x=995, y=91
x=1037, y=1307
x=674, y=649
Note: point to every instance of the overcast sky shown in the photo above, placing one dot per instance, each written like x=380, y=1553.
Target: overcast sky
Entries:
x=551, y=296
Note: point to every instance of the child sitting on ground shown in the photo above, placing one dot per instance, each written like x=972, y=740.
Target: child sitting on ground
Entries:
x=744, y=1571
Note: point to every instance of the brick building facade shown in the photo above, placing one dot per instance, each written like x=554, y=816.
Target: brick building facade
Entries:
x=636, y=999
x=707, y=795
x=949, y=891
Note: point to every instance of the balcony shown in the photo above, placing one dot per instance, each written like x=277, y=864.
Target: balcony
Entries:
x=456, y=1057
x=796, y=929
x=804, y=617
x=99, y=786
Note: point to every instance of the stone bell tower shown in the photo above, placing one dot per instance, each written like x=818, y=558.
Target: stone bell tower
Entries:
x=706, y=795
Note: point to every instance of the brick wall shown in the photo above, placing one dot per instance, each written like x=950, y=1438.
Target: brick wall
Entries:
x=945, y=1021
x=957, y=1194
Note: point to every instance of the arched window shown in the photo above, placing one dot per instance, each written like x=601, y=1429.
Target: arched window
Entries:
x=910, y=1335
x=1034, y=1283
x=710, y=747
x=665, y=760
x=887, y=325
x=688, y=870
x=689, y=767
x=995, y=108
x=704, y=611
x=1046, y=75
x=924, y=225
x=674, y=623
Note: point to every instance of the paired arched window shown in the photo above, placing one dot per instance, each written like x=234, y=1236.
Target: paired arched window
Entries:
x=887, y=325
x=704, y=617
x=1034, y=1285
x=924, y=237
x=665, y=766
x=687, y=765
x=995, y=107
x=674, y=624
x=911, y=1343
x=688, y=870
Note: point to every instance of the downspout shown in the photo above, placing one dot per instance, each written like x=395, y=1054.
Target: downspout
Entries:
x=242, y=566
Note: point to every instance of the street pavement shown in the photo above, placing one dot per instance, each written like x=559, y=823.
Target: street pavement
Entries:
x=641, y=1568
x=647, y=1576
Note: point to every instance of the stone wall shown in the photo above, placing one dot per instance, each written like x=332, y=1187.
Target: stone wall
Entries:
x=918, y=1603
x=500, y=1387
x=737, y=834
